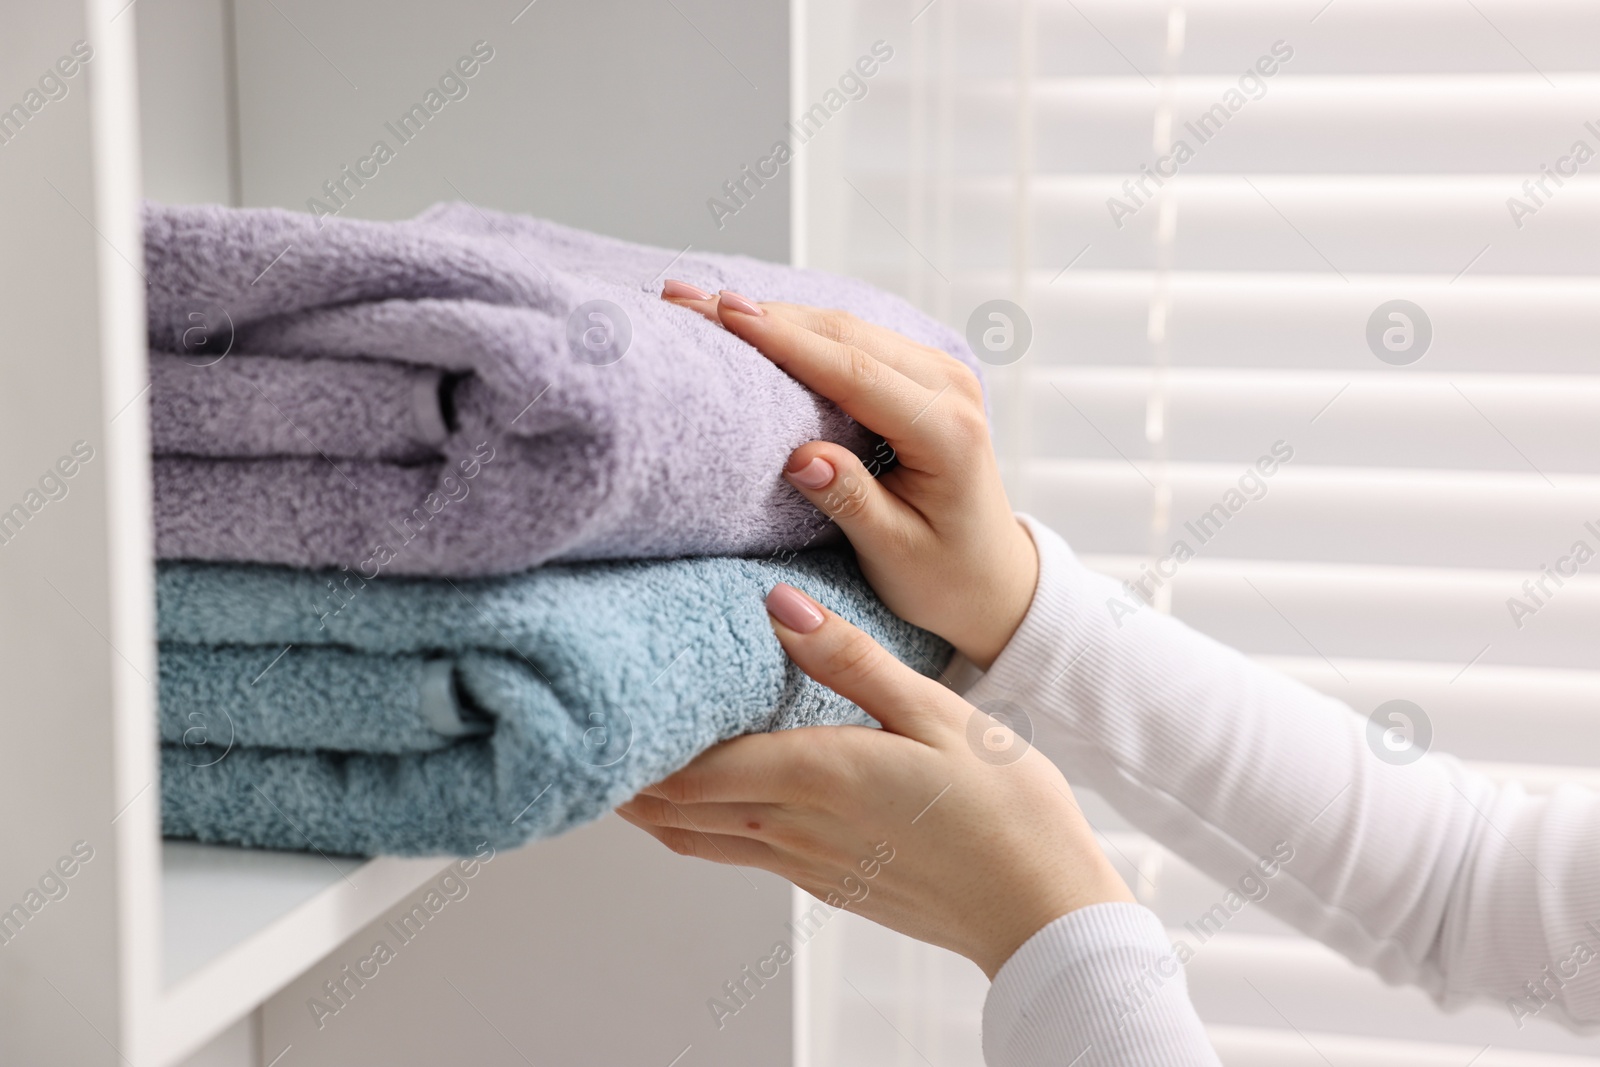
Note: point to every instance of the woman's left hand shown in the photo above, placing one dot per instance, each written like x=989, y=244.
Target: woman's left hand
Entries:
x=927, y=826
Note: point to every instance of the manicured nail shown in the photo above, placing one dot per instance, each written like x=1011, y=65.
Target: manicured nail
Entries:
x=793, y=608
x=672, y=289
x=814, y=475
x=742, y=304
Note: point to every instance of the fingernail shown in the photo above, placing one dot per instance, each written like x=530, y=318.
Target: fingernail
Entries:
x=739, y=303
x=673, y=289
x=793, y=608
x=814, y=475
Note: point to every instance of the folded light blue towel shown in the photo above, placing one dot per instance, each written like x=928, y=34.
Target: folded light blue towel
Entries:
x=414, y=716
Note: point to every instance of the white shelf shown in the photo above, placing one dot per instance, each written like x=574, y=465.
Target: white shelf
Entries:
x=239, y=924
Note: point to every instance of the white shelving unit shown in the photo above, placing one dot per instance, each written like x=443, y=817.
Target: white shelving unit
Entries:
x=239, y=924
x=234, y=925
x=151, y=949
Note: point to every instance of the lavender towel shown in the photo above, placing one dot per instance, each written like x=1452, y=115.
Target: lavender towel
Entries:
x=433, y=396
x=247, y=407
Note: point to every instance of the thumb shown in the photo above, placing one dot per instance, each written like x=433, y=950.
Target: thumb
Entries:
x=841, y=486
x=856, y=667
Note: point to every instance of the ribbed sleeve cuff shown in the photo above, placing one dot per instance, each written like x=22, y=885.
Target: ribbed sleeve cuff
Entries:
x=1099, y=986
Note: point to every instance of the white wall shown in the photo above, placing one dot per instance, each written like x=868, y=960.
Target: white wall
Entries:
x=185, y=102
x=619, y=116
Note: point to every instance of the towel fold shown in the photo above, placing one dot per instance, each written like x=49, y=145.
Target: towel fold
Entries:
x=436, y=396
x=327, y=699
x=247, y=407
x=314, y=710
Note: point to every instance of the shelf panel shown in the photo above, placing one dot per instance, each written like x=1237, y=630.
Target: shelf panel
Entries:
x=239, y=924
x=214, y=897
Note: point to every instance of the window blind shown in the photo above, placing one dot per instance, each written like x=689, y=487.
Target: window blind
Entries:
x=1356, y=236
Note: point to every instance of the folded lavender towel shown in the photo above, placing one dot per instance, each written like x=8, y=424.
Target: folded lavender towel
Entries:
x=253, y=406
x=556, y=441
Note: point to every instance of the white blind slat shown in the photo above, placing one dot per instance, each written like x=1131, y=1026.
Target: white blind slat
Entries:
x=1467, y=709
x=1359, y=37
x=1511, y=521
x=1230, y=310
x=1320, y=991
x=1374, y=612
x=1286, y=320
x=1240, y=1046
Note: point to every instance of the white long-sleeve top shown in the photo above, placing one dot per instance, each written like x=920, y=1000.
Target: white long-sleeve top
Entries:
x=1427, y=872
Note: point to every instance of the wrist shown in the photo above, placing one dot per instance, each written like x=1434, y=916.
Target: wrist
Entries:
x=1099, y=885
x=1005, y=601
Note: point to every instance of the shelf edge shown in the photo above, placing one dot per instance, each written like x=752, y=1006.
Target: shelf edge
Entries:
x=213, y=997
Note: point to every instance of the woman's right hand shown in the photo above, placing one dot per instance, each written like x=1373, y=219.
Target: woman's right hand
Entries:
x=988, y=844
x=936, y=537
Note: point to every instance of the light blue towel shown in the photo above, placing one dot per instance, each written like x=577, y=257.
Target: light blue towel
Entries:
x=413, y=716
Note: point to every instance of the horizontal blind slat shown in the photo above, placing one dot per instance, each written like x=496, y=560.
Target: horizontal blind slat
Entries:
x=1428, y=224
x=1225, y=36
x=1450, y=431
x=1515, y=522
x=1304, y=125
x=1243, y=1046
x=1349, y=611
x=1546, y=718
x=1319, y=990
x=1287, y=320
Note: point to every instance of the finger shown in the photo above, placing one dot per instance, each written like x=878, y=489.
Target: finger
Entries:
x=730, y=818
x=733, y=851
x=873, y=393
x=859, y=669
x=771, y=768
x=841, y=486
x=931, y=367
x=692, y=297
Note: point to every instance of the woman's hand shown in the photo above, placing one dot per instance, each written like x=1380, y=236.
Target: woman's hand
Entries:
x=942, y=825
x=936, y=537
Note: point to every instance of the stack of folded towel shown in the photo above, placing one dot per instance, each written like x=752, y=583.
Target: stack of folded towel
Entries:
x=438, y=571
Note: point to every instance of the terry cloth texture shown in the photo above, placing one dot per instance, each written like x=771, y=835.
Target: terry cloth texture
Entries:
x=538, y=446
x=306, y=709
x=247, y=407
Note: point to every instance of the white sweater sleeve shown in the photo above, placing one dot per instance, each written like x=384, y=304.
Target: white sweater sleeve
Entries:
x=1063, y=998
x=1428, y=873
